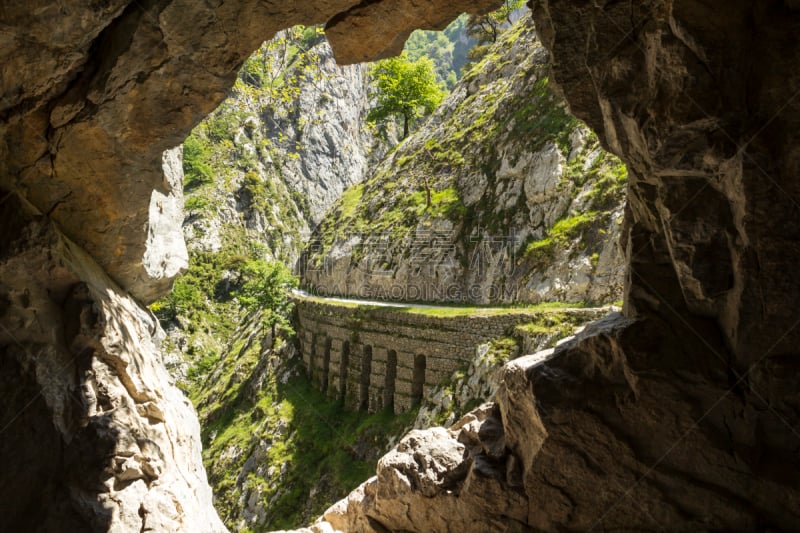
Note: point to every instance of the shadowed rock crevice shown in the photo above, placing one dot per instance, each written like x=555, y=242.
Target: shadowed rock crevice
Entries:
x=91, y=422
x=34, y=456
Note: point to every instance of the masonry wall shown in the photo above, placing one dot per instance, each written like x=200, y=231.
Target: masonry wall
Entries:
x=374, y=358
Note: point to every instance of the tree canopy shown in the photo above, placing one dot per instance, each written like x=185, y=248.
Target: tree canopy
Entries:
x=406, y=89
x=485, y=29
x=266, y=286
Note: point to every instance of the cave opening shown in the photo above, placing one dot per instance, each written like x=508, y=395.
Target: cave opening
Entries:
x=707, y=342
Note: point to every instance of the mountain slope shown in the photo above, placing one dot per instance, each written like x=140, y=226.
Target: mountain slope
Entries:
x=501, y=197
x=268, y=163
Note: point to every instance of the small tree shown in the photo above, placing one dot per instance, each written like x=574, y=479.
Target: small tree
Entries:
x=196, y=155
x=405, y=88
x=485, y=29
x=266, y=286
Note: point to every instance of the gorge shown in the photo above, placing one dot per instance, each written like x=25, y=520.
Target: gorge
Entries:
x=681, y=412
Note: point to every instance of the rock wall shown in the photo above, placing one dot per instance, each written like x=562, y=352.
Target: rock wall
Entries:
x=95, y=437
x=501, y=196
x=326, y=127
x=374, y=358
x=279, y=154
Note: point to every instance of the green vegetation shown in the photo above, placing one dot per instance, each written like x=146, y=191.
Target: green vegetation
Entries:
x=608, y=178
x=486, y=29
x=454, y=310
x=307, y=440
x=447, y=49
x=543, y=118
x=488, y=311
x=561, y=235
x=366, y=210
x=404, y=88
x=266, y=287
x=196, y=168
x=548, y=329
x=234, y=154
x=229, y=311
x=508, y=116
x=502, y=350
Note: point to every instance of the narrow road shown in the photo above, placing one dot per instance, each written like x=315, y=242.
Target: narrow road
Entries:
x=379, y=303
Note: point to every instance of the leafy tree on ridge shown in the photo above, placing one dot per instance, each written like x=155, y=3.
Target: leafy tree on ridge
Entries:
x=405, y=88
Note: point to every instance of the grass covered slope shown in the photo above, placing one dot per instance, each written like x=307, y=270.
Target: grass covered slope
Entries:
x=501, y=196
x=279, y=452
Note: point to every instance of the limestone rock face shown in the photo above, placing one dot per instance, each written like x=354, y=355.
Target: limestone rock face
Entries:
x=439, y=480
x=95, y=436
x=699, y=100
x=524, y=207
x=374, y=30
x=288, y=154
x=165, y=250
x=335, y=145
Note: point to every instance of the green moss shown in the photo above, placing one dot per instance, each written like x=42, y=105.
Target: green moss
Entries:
x=540, y=117
x=502, y=350
x=611, y=176
x=196, y=203
x=556, y=326
x=349, y=202
x=197, y=170
x=561, y=235
x=443, y=204
x=457, y=310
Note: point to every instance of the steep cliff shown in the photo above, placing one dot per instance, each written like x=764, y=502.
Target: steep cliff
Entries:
x=501, y=196
x=95, y=437
x=270, y=161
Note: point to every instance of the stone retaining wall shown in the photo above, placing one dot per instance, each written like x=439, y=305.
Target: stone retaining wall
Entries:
x=374, y=358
